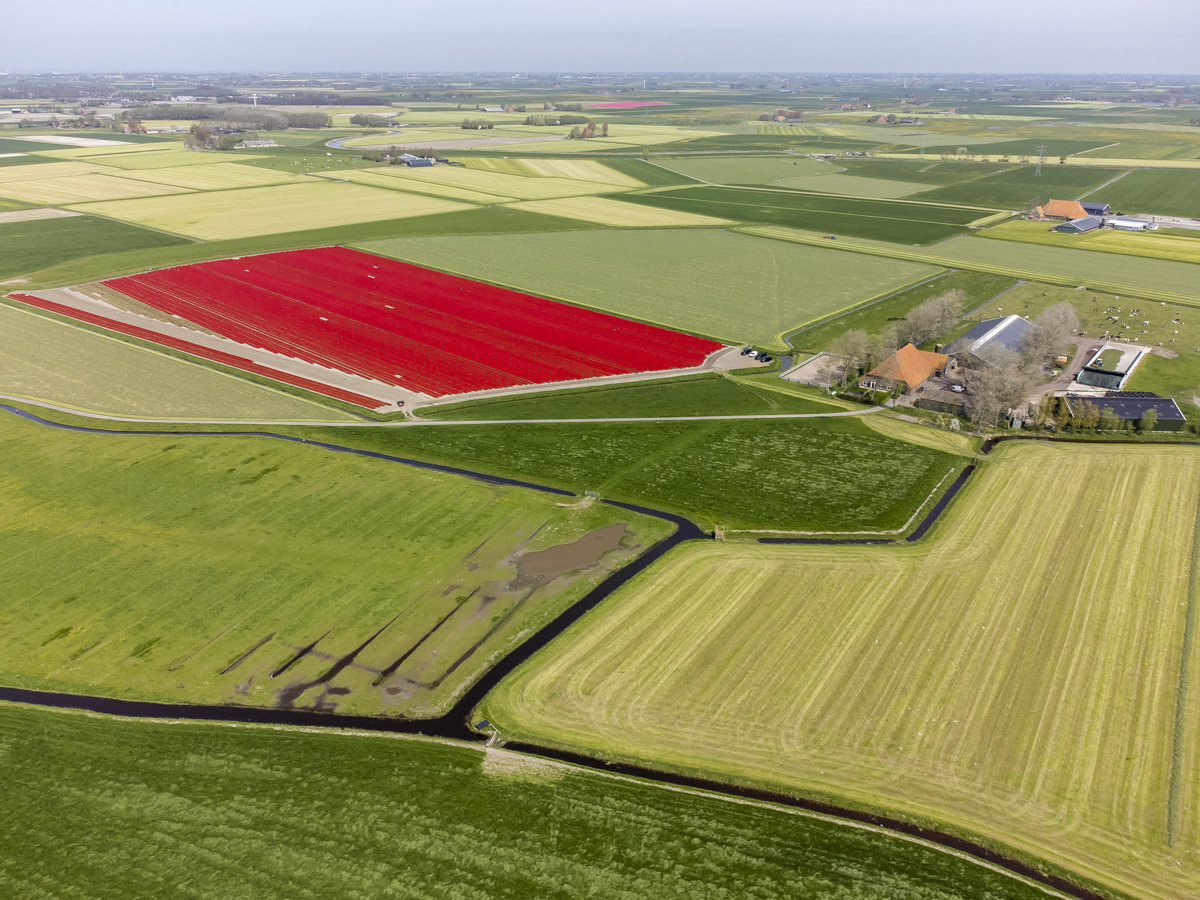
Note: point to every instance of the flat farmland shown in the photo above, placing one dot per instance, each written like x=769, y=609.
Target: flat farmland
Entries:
x=259, y=812
x=175, y=159
x=502, y=184
x=910, y=223
x=1152, y=244
x=747, y=169
x=33, y=245
x=726, y=285
x=52, y=362
x=391, y=180
x=606, y=211
x=1014, y=187
x=271, y=210
x=574, y=169
x=403, y=325
x=1018, y=676
x=42, y=170
x=1159, y=192
x=215, y=177
x=81, y=189
x=257, y=571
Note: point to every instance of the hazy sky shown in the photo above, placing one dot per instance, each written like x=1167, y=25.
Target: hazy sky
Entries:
x=1114, y=36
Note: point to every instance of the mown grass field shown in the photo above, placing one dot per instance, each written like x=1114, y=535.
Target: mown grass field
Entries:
x=196, y=569
x=709, y=282
x=976, y=286
x=392, y=180
x=1016, y=676
x=1151, y=244
x=51, y=362
x=502, y=184
x=33, y=245
x=252, y=212
x=804, y=474
x=99, y=808
x=747, y=169
x=909, y=223
x=1013, y=187
x=81, y=189
x=216, y=177
x=615, y=213
x=707, y=395
x=574, y=169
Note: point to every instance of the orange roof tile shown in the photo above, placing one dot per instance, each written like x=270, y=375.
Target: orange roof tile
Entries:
x=1064, y=209
x=910, y=365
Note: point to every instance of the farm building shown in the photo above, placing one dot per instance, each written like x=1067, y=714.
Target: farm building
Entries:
x=1111, y=365
x=1128, y=223
x=1131, y=406
x=990, y=335
x=1096, y=209
x=1060, y=209
x=1079, y=226
x=908, y=368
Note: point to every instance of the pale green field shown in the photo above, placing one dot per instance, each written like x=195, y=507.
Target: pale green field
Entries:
x=717, y=283
x=747, y=169
x=193, y=569
x=271, y=210
x=51, y=362
x=82, y=189
x=119, y=150
x=574, y=169
x=856, y=186
x=176, y=158
x=1130, y=243
x=501, y=184
x=42, y=171
x=215, y=177
x=1015, y=676
x=604, y=211
x=389, y=179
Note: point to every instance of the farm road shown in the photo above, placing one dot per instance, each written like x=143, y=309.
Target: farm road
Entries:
x=412, y=423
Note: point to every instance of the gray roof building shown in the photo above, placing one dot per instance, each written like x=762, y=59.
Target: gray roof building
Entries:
x=1096, y=209
x=1080, y=226
x=990, y=334
x=1130, y=406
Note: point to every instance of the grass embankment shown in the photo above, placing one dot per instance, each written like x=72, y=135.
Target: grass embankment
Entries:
x=702, y=395
x=52, y=362
x=708, y=282
x=814, y=474
x=194, y=569
x=1015, y=676
x=1162, y=280
x=877, y=317
x=99, y=808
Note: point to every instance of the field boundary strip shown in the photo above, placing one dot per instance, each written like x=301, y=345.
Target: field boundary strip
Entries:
x=785, y=234
x=1180, y=731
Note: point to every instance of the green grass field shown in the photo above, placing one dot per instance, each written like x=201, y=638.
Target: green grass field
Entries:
x=873, y=319
x=1152, y=244
x=615, y=213
x=252, y=212
x=216, y=177
x=798, y=474
x=747, y=169
x=694, y=396
x=195, y=569
x=1016, y=676
x=1013, y=187
x=1161, y=192
x=34, y=245
x=101, y=808
x=81, y=189
x=51, y=362
x=710, y=282
x=1153, y=279
x=909, y=223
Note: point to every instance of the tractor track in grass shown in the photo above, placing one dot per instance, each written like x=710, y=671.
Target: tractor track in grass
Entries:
x=455, y=724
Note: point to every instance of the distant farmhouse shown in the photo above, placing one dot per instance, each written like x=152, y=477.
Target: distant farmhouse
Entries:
x=1082, y=217
x=1079, y=226
x=1061, y=209
x=988, y=336
x=906, y=369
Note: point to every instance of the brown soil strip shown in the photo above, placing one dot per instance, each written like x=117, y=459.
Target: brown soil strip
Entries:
x=288, y=696
x=300, y=654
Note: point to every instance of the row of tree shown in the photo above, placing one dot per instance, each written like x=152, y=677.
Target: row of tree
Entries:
x=556, y=120
x=588, y=131
x=477, y=124
x=1085, y=417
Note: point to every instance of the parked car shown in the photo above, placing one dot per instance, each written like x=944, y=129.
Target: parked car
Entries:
x=958, y=388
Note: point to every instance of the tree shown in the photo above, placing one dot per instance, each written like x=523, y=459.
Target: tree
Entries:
x=931, y=318
x=1087, y=416
x=854, y=347
x=1055, y=331
x=1109, y=420
x=1148, y=420
x=994, y=385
